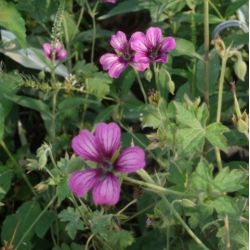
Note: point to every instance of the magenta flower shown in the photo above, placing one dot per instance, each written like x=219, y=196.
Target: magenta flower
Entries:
x=116, y=63
x=109, y=1
x=151, y=47
x=103, y=148
x=60, y=54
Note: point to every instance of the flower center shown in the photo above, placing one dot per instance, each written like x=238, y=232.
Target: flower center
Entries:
x=107, y=166
x=154, y=52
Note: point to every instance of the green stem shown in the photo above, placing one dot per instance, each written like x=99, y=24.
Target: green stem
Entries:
x=156, y=74
x=34, y=223
x=92, y=13
x=216, y=9
x=219, y=105
x=156, y=188
x=184, y=224
x=206, y=50
x=53, y=126
x=141, y=87
x=221, y=86
x=161, y=191
x=23, y=174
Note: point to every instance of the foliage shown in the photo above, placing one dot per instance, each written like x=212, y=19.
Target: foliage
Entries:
x=192, y=124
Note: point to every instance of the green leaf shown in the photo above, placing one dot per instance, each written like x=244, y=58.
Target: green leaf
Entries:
x=70, y=28
x=44, y=223
x=11, y=20
x=120, y=239
x=201, y=178
x=31, y=103
x=125, y=7
x=191, y=139
x=186, y=117
x=41, y=10
x=8, y=86
x=151, y=117
x=100, y=223
x=233, y=7
x=6, y=175
x=99, y=85
x=185, y=48
x=229, y=181
x=105, y=114
x=72, y=218
x=1, y=122
x=214, y=134
x=224, y=205
x=19, y=223
x=62, y=190
x=126, y=81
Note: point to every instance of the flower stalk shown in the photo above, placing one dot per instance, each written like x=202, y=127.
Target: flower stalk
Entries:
x=141, y=87
x=206, y=50
x=219, y=104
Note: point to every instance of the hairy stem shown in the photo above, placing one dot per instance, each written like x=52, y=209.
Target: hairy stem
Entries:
x=219, y=105
x=156, y=188
x=206, y=50
x=184, y=224
x=92, y=13
x=141, y=87
x=34, y=222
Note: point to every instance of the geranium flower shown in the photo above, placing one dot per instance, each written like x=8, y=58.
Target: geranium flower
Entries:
x=151, y=47
x=103, y=148
x=60, y=54
x=116, y=63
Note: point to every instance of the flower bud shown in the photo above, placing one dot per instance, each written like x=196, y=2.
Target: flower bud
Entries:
x=41, y=75
x=240, y=69
x=171, y=86
x=187, y=203
x=148, y=75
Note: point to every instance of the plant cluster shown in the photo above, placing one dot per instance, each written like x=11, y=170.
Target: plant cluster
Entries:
x=124, y=124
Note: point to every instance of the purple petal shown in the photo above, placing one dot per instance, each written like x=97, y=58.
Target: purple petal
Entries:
x=109, y=1
x=168, y=44
x=108, y=59
x=141, y=57
x=107, y=190
x=80, y=182
x=108, y=137
x=140, y=66
x=130, y=160
x=138, y=42
x=117, y=68
x=61, y=54
x=47, y=49
x=162, y=58
x=84, y=145
x=119, y=41
x=154, y=36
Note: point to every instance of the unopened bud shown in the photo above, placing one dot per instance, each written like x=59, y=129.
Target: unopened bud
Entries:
x=240, y=69
x=187, y=203
x=148, y=75
x=171, y=86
